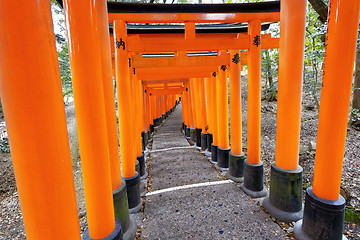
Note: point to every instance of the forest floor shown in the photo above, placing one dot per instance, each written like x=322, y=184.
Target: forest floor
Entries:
x=10, y=213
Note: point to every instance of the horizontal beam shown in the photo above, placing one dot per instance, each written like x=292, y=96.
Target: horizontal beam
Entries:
x=145, y=29
x=145, y=74
x=157, y=92
x=180, y=61
x=191, y=17
x=135, y=44
x=167, y=81
x=261, y=7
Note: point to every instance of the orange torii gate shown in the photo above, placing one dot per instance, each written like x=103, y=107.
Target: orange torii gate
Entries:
x=33, y=143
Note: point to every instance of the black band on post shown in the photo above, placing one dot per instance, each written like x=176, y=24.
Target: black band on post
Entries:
x=323, y=219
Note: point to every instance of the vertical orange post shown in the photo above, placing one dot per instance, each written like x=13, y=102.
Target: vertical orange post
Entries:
x=35, y=118
x=209, y=100
x=147, y=109
x=286, y=176
x=197, y=103
x=236, y=157
x=214, y=117
x=158, y=108
x=324, y=209
x=253, y=168
x=254, y=93
x=189, y=110
x=109, y=95
x=124, y=96
x=138, y=121
x=222, y=108
x=335, y=97
x=235, y=103
x=208, y=104
x=223, y=119
x=203, y=105
x=130, y=137
x=82, y=27
x=199, y=119
x=193, y=110
x=291, y=58
x=153, y=108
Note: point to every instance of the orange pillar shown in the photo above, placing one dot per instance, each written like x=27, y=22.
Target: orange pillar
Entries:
x=291, y=58
x=214, y=117
x=324, y=209
x=193, y=106
x=254, y=93
x=235, y=103
x=199, y=117
x=222, y=108
x=335, y=97
x=203, y=105
x=209, y=100
x=286, y=176
x=253, y=168
x=208, y=104
x=83, y=35
x=223, y=119
x=147, y=109
x=137, y=117
x=35, y=118
x=109, y=95
x=124, y=97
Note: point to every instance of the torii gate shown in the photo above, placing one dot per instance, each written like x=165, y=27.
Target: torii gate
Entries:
x=33, y=143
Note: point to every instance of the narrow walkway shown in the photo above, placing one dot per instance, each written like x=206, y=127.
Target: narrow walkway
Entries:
x=201, y=211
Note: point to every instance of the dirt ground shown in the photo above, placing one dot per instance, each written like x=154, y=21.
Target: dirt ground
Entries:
x=11, y=217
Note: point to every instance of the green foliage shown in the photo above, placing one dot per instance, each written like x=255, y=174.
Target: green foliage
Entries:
x=314, y=54
x=351, y=215
x=4, y=145
x=63, y=53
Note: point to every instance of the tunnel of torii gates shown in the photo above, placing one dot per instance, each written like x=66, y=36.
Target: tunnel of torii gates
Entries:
x=154, y=66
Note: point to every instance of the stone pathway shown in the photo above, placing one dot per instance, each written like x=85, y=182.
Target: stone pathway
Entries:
x=177, y=209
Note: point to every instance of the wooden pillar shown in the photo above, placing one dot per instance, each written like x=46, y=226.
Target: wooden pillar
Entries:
x=254, y=93
x=109, y=97
x=235, y=103
x=34, y=112
x=85, y=61
x=222, y=108
x=335, y=97
x=124, y=97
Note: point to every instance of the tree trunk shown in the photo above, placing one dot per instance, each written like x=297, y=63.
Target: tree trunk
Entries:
x=321, y=8
x=356, y=94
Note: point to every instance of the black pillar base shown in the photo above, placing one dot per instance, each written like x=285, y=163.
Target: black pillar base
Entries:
x=152, y=128
x=192, y=134
x=133, y=193
x=254, y=180
x=142, y=167
x=222, y=159
x=187, y=133
x=203, y=141
x=137, y=166
x=214, y=154
x=323, y=219
x=198, y=137
x=143, y=140
x=121, y=208
x=147, y=137
x=209, y=141
x=115, y=235
x=285, y=198
x=236, y=167
x=183, y=126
